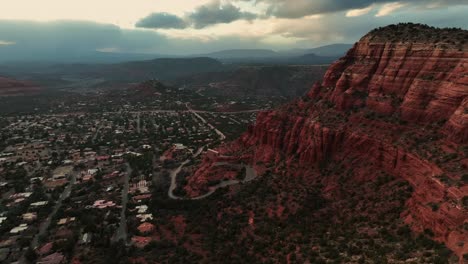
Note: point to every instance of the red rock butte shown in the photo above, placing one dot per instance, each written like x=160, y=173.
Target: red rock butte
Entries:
x=397, y=102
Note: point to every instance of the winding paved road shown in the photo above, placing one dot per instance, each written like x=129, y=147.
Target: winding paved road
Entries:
x=173, y=175
x=251, y=174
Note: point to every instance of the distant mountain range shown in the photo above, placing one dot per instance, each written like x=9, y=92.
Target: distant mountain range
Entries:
x=330, y=52
x=319, y=55
x=86, y=75
x=118, y=69
x=241, y=53
x=333, y=50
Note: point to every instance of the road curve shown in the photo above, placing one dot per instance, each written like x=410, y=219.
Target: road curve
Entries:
x=251, y=174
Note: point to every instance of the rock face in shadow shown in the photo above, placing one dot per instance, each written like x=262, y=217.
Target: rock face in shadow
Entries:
x=396, y=103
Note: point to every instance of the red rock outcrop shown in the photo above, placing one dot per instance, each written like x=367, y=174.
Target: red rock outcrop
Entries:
x=420, y=81
x=10, y=87
x=401, y=107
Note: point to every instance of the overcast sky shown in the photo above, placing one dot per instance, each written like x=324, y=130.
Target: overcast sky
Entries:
x=197, y=26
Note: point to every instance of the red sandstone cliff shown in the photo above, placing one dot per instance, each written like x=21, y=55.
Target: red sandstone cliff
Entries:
x=10, y=87
x=400, y=106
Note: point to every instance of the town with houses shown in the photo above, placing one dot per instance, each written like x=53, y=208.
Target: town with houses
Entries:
x=76, y=181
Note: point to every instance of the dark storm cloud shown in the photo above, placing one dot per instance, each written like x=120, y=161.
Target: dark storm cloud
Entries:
x=203, y=16
x=59, y=34
x=301, y=8
x=76, y=41
x=70, y=39
x=161, y=20
x=216, y=13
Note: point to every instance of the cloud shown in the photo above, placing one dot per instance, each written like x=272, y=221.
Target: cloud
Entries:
x=58, y=35
x=62, y=40
x=216, y=13
x=336, y=28
x=359, y=12
x=161, y=20
x=78, y=41
x=212, y=13
x=303, y=8
x=389, y=8
x=6, y=43
x=225, y=12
